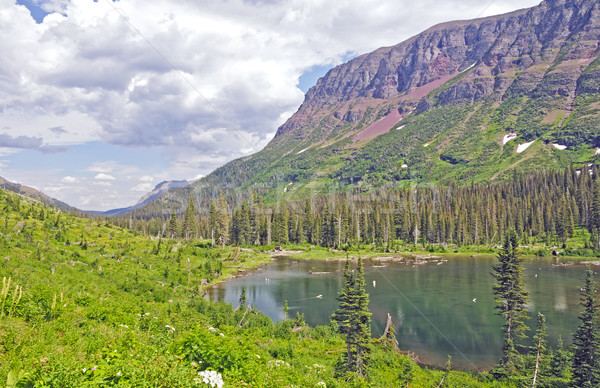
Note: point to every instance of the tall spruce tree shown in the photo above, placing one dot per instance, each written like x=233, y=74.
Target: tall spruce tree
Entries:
x=511, y=298
x=189, y=222
x=540, y=352
x=173, y=224
x=353, y=319
x=362, y=322
x=586, y=342
x=213, y=221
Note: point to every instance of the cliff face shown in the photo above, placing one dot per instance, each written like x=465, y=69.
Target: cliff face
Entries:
x=541, y=53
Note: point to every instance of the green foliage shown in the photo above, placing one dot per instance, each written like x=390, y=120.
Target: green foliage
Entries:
x=511, y=298
x=353, y=319
x=586, y=342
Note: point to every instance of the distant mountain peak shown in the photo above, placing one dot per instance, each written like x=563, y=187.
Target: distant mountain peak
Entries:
x=161, y=188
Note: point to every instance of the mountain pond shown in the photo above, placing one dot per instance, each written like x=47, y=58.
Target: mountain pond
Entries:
x=439, y=306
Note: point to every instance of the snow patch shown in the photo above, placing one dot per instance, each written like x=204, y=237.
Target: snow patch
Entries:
x=597, y=152
x=427, y=144
x=402, y=126
x=509, y=137
x=404, y=166
x=301, y=151
x=523, y=147
x=470, y=67
x=559, y=146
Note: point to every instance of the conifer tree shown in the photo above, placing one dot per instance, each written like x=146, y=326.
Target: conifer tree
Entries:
x=173, y=225
x=244, y=224
x=540, y=352
x=586, y=357
x=511, y=298
x=243, y=299
x=223, y=220
x=189, y=222
x=362, y=321
x=353, y=319
x=213, y=221
x=595, y=211
x=308, y=222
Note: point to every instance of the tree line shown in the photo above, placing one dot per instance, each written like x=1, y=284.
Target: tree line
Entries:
x=541, y=207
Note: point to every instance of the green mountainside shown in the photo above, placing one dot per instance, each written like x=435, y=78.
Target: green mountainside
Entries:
x=456, y=103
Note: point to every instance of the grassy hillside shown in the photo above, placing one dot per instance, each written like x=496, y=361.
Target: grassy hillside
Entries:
x=84, y=303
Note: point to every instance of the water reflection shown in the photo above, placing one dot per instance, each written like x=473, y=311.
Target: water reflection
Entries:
x=438, y=309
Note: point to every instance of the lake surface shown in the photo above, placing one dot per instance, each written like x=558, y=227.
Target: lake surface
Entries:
x=438, y=308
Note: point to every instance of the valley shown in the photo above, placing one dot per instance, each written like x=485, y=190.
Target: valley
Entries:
x=428, y=217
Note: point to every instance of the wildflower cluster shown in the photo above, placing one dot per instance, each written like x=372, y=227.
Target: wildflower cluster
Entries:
x=277, y=363
x=210, y=377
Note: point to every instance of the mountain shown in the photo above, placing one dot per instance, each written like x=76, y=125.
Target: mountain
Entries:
x=30, y=192
x=146, y=198
x=460, y=102
x=159, y=189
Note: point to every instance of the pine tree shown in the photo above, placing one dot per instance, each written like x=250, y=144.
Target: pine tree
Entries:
x=595, y=211
x=308, y=222
x=586, y=341
x=353, y=319
x=511, y=298
x=362, y=322
x=189, y=222
x=223, y=220
x=173, y=225
x=244, y=224
x=213, y=221
x=242, y=301
x=540, y=352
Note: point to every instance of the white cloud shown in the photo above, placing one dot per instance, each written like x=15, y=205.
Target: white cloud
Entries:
x=143, y=187
x=102, y=184
x=104, y=177
x=69, y=179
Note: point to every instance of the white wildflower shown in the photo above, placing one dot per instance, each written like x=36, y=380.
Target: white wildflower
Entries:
x=321, y=384
x=210, y=377
x=277, y=363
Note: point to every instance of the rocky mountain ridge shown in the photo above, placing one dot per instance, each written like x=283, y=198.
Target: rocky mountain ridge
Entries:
x=463, y=101
x=537, y=43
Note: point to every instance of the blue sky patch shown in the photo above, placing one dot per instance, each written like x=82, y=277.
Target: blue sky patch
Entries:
x=37, y=13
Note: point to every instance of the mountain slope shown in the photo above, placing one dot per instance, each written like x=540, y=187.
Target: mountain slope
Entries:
x=458, y=102
x=146, y=198
x=30, y=192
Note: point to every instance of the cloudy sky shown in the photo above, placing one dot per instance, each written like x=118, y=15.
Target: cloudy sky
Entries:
x=102, y=100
